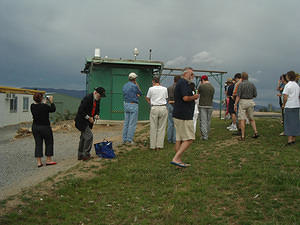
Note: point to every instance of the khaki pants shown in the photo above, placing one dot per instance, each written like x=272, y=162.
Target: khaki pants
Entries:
x=246, y=109
x=158, y=123
x=184, y=130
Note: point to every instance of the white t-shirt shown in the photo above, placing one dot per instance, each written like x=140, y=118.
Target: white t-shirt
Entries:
x=158, y=95
x=292, y=89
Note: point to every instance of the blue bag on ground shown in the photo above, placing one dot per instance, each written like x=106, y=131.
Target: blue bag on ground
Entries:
x=104, y=149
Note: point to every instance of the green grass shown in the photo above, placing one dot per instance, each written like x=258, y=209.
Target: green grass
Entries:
x=230, y=182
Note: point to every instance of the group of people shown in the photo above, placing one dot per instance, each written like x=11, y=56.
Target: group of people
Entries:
x=178, y=106
x=174, y=106
x=240, y=93
x=88, y=112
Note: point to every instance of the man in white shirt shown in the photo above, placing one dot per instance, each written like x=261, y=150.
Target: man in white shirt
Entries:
x=157, y=97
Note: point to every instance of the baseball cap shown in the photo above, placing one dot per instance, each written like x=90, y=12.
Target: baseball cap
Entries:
x=132, y=76
x=229, y=80
x=204, y=77
x=101, y=91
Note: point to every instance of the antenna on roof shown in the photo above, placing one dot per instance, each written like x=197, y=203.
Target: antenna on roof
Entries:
x=135, y=53
x=150, y=51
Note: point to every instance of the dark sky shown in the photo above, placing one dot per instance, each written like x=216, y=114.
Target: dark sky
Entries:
x=45, y=43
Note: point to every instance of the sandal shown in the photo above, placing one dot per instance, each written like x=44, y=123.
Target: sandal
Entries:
x=290, y=143
x=241, y=138
x=255, y=135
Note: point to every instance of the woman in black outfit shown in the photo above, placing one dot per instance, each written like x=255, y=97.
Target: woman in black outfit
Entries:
x=41, y=128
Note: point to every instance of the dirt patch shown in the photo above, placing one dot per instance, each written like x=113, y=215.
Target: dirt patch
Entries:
x=71, y=168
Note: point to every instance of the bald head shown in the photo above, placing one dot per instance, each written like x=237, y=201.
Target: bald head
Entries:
x=188, y=73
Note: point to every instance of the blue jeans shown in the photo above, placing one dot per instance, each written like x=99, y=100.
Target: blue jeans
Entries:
x=131, y=116
x=171, y=132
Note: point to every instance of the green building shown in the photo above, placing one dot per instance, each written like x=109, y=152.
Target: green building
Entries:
x=112, y=74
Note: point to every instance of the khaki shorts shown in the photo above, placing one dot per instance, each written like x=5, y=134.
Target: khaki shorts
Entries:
x=184, y=129
x=246, y=109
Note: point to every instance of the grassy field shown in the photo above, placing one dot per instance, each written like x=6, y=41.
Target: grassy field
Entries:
x=229, y=182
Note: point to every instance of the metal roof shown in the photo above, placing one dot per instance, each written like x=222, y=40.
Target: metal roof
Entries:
x=125, y=62
x=19, y=90
x=98, y=60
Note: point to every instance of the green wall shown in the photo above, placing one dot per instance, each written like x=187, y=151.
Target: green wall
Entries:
x=112, y=78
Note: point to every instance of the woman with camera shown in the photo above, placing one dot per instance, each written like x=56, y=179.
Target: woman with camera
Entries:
x=41, y=128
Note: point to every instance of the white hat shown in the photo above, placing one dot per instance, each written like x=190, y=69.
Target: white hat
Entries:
x=132, y=76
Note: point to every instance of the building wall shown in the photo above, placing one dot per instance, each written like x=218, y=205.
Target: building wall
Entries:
x=11, y=115
x=113, y=79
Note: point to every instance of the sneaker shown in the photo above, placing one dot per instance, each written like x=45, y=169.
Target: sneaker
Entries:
x=131, y=143
x=233, y=128
x=229, y=127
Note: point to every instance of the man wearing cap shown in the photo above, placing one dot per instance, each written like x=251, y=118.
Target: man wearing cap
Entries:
x=206, y=92
x=131, y=93
x=237, y=82
x=233, y=126
x=88, y=112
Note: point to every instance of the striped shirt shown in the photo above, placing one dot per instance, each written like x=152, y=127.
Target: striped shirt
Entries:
x=246, y=90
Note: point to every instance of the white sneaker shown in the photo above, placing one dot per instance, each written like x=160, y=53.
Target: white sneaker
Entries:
x=229, y=127
x=233, y=128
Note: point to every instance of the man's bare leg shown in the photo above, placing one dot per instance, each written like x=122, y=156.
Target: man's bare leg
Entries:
x=183, y=147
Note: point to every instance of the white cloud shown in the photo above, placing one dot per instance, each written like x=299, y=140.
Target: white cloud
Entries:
x=178, y=61
x=254, y=80
x=205, y=57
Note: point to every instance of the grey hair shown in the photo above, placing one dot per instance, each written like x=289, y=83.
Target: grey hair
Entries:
x=186, y=69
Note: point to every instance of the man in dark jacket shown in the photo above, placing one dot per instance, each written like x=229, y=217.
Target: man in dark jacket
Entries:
x=88, y=112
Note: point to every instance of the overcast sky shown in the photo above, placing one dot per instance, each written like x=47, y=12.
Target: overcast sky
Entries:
x=44, y=43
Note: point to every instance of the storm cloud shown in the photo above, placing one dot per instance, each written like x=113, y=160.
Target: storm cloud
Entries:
x=45, y=43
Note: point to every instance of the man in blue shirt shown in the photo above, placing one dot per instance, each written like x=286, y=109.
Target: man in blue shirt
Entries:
x=131, y=92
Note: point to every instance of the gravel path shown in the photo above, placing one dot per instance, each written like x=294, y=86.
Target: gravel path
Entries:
x=18, y=168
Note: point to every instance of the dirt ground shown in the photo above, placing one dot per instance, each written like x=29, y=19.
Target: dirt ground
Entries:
x=17, y=181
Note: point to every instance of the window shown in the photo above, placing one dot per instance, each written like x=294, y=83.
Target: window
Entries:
x=25, y=104
x=13, y=104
